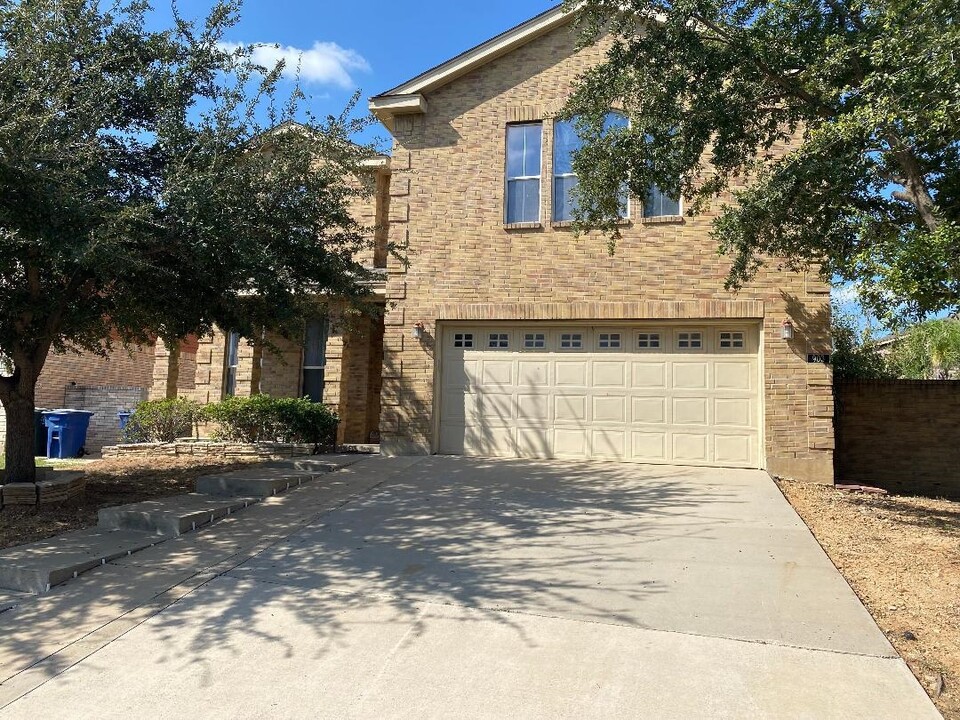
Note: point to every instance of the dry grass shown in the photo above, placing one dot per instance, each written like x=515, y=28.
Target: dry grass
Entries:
x=109, y=482
x=902, y=557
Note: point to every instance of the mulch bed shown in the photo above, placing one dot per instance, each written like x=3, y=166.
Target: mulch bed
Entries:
x=901, y=555
x=109, y=482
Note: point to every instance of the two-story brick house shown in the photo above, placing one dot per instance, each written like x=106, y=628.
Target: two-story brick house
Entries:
x=506, y=335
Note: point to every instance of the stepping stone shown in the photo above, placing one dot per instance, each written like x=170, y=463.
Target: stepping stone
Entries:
x=36, y=566
x=171, y=516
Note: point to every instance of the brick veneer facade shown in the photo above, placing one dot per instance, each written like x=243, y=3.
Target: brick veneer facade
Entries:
x=446, y=199
x=902, y=435
x=66, y=376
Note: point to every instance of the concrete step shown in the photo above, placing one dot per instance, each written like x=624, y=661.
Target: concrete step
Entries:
x=171, y=516
x=274, y=477
x=36, y=566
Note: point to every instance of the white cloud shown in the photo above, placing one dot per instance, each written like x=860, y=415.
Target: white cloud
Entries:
x=845, y=294
x=325, y=63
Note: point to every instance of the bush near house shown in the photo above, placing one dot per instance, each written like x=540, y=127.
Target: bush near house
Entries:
x=163, y=420
x=264, y=418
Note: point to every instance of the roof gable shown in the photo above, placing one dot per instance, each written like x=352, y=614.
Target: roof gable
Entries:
x=408, y=97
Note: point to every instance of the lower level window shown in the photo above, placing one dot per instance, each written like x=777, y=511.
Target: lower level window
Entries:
x=314, y=359
x=231, y=361
x=534, y=340
x=571, y=341
x=689, y=340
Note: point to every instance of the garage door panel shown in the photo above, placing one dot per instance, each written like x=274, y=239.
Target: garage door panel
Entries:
x=493, y=408
x=609, y=374
x=690, y=375
x=570, y=442
x=691, y=447
x=534, y=442
x=651, y=410
x=533, y=408
x=649, y=375
x=497, y=373
x=571, y=374
x=734, y=449
x=734, y=412
x=533, y=373
x=651, y=446
x=609, y=444
x=673, y=405
x=734, y=375
x=690, y=411
x=609, y=409
x=570, y=408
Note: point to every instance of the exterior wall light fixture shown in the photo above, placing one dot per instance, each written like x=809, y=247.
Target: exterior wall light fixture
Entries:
x=786, y=330
x=418, y=330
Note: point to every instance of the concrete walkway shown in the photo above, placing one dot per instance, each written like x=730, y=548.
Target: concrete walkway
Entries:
x=448, y=587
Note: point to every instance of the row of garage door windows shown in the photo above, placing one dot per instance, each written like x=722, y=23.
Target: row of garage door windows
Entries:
x=683, y=340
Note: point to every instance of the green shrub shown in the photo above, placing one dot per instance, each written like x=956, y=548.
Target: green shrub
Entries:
x=162, y=420
x=265, y=418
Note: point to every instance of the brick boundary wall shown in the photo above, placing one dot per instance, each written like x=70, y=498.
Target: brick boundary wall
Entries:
x=104, y=401
x=210, y=449
x=901, y=435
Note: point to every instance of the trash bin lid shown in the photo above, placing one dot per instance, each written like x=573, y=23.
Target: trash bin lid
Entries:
x=68, y=411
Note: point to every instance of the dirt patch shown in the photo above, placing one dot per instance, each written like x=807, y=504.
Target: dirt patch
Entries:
x=109, y=482
x=902, y=557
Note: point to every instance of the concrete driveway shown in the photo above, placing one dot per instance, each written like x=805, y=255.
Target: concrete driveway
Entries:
x=463, y=588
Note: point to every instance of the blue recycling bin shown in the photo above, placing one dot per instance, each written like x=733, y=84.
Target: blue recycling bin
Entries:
x=66, y=432
x=123, y=417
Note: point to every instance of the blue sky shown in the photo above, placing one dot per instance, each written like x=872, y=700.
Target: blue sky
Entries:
x=372, y=46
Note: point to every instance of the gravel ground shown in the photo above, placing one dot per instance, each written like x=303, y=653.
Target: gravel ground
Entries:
x=109, y=482
x=902, y=557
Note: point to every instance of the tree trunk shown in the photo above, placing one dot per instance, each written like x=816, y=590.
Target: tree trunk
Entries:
x=173, y=372
x=18, y=404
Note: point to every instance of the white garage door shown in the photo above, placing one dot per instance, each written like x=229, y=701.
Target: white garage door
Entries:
x=685, y=395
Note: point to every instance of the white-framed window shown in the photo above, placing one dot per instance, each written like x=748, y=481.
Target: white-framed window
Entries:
x=231, y=360
x=648, y=340
x=571, y=341
x=566, y=142
x=524, y=142
x=314, y=359
x=463, y=340
x=534, y=341
x=498, y=340
x=609, y=341
x=659, y=204
x=690, y=340
x=731, y=339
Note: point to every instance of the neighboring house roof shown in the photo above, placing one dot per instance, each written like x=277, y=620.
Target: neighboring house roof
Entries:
x=408, y=97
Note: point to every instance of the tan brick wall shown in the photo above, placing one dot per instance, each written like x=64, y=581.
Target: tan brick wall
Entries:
x=446, y=200
x=120, y=368
x=902, y=435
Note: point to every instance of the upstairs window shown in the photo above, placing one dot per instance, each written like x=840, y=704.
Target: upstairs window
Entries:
x=566, y=141
x=523, y=172
x=314, y=359
x=658, y=204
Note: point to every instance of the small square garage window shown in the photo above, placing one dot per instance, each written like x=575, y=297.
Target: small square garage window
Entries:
x=731, y=340
x=571, y=341
x=648, y=340
x=534, y=341
x=608, y=340
x=690, y=340
x=463, y=340
x=498, y=340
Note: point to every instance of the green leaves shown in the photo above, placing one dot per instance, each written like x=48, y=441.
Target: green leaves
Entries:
x=834, y=123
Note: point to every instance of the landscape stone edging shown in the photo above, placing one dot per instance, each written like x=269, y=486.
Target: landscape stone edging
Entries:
x=58, y=486
x=195, y=448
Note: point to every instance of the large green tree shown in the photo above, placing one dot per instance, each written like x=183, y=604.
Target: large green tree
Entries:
x=867, y=92
x=142, y=195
